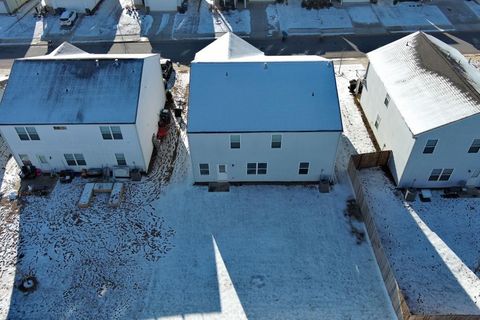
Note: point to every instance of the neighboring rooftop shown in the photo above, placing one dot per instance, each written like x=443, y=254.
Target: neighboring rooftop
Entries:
x=431, y=83
x=234, y=87
x=70, y=86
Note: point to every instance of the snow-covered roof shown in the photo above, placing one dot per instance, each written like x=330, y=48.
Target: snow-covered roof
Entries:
x=227, y=47
x=72, y=87
x=258, y=93
x=431, y=83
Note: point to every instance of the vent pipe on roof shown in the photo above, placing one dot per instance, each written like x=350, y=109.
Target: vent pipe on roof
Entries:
x=97, y=63
x=116, y=62
x=265, y=66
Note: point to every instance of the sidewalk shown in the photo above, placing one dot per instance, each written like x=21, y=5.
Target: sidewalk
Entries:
x=112, y=23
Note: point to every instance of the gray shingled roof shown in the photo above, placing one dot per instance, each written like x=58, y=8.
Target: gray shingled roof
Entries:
x=71, y=91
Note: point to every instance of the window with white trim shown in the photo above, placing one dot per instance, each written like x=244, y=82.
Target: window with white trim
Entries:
x=111, y=133
x=276, y=141
x=257, y=168
x=440, y=175
x=75, y=159
x=204, y=169
x=430, y=146
x=235, y=141
x=377, y=121
x=475, y=147
x=303, y=167
x=387, y=100
x=120, y=159
x=27, y=133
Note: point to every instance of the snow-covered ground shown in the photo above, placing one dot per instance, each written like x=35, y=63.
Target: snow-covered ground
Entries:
x=411, y=15
x=362, y=14
x=433, y=247
x=207, y=23
x=173, y=250
x=295, y=19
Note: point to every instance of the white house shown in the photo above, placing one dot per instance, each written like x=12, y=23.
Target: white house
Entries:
x=162, y=5
x=75, y=110
x=9, y=6
x=81, y=6
x=258, y=118
x=422, y=100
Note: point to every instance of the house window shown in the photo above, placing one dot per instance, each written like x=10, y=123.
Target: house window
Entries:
x=116, y=132
x=440, y=175
x=446, y=173
x=222, y=168
x=377, y=121
x=59, y=128
x=435, y=175
x=27, y=133
x=106, y=133
x=75, y=159
x=235, y=141
x=430, y=146
x=475, y=146
x=276, y=141
x=262, y=168
x=25, y=160
x=204, y=169
x=303, y=167
x=121, y=159
x=111, y=133
x=257, y=168
x=42, y=159
x=387, y=100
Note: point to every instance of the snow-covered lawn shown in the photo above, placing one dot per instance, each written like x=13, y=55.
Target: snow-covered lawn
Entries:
x=411, y=14
x=112, y=19
x=208, y=23
x=433, y=247
x=295, y=19
x=362, y=14
x=173, y=250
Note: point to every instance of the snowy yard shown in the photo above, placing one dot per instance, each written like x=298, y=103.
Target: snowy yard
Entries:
x=207, y=23
x=411, y=15
x=295, y=19
x=172, y=250
x=433, y=246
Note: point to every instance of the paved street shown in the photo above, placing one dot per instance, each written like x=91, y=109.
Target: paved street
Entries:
x=183, y=51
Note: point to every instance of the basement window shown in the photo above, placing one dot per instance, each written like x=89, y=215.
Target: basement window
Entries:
x=475, y=147
x=430, y=146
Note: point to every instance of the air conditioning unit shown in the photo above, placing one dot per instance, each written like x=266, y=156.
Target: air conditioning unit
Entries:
x=121, y=172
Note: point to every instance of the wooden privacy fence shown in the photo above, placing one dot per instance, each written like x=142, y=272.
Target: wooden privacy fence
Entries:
x=395, y=294
x=370, y=160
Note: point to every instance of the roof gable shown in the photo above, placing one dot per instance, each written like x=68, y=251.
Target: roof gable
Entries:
x=431, y=83
x=227, y=47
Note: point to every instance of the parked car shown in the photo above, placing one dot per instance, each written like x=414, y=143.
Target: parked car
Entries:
x=68, y=18
x=167, y=68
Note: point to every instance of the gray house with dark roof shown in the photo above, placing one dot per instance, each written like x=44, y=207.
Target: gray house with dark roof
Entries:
x=76, y=110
